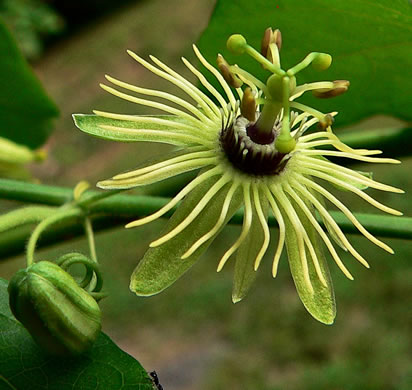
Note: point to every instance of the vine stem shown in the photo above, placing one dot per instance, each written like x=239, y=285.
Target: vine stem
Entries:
x=92, y=247
x=59, y=216
x=90, y=238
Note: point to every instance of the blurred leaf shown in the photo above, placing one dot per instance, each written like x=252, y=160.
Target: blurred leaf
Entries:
x=369, y=41
x=24, y=365
x=25, y=109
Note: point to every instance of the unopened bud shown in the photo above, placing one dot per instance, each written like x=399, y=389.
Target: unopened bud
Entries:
x=325, y=122
x=339, y=87
x=248, y=105
x=229, y=77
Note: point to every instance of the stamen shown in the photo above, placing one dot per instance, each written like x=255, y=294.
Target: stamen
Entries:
x=304, y=108
x=301, y=89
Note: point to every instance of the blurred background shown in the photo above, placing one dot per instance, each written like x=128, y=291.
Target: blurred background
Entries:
x=192, y=334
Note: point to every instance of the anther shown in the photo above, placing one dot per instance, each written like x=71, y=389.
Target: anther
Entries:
x=229, y=77
x=339, y=87
x=248, y=105
x=325, y=122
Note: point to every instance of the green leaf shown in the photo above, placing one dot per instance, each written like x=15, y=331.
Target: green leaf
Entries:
x=321, y=303
x=25, y=109
x=162, y=266
x=131, y=131
x=23, y=365
x=245, y=273
x=368, y=40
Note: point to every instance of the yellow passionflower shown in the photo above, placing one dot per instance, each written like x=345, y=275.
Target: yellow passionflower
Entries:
x=253, y=152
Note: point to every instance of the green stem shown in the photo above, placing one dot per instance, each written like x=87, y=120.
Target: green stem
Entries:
x=121, y=209
x=92, y=247
x=90, y=198
x=43, y=225
x=24, y=216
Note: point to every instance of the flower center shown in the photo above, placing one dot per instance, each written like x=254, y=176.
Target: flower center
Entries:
x=249, y=156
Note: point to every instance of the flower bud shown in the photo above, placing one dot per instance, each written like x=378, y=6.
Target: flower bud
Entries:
x=339, y=87
x=61, y=317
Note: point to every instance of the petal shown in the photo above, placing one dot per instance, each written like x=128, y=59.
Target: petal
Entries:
x=321, y=302
x=153, y=128
x=247, y=254
x=162, y=266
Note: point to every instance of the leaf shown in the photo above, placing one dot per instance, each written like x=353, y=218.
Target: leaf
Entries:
x=162, y=266
x=321, y=303
x=26, y=111
x=23, y=365
x=368, y=40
